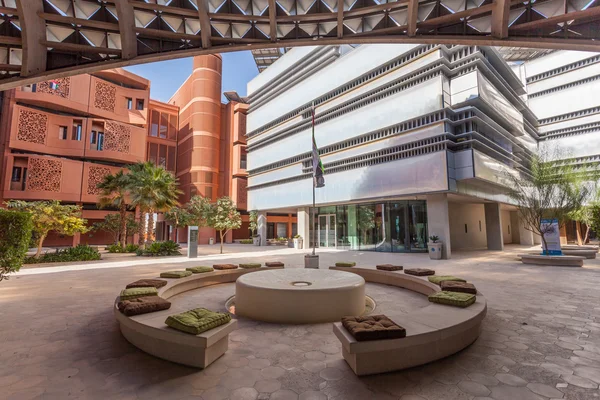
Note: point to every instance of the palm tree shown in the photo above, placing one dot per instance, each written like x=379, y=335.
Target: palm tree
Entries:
x=113, y=193
x=153, y=189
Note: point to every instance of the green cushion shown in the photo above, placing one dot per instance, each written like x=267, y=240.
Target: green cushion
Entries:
x=136, y=293
x=250, y=265
x=441, y=278
x=197, y=320
x=175, y=274
x=199, y=270
x=345, y=264
x=453, y=299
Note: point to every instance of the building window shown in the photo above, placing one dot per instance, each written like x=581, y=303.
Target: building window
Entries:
x=16, y=174
x=62, y=132
x=164, y=123
x=97, y=141
x=77, y=126
x=162, y=156
x=171, y=158
x=139, y=104
x=208, y=192
x=153, y=153
x=243, y=159
x=154, y=124
x=208, y=177
x=24, y=178
x=129, y=103
x=173, y=127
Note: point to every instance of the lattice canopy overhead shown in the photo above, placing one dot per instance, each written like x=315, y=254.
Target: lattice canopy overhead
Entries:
x=74, y=36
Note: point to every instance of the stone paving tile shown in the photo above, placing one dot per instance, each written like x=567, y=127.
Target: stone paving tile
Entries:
x=539, y=342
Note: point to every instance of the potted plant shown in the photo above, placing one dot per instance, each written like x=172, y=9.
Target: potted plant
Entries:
x=298, y=242
x=435, y=247
x=253, y=227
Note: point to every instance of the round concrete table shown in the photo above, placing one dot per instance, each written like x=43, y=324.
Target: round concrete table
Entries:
x=299, y=296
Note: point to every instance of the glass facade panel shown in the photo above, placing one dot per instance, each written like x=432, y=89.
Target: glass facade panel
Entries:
x=399, y=226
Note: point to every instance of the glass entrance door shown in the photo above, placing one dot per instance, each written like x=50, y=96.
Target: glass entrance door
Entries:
x=327, y=231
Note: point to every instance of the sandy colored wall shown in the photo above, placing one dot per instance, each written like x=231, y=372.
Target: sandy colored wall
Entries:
x=471, y=215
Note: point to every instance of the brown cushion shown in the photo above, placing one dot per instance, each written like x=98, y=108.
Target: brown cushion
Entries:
x=390, y=267
x=157, y=283
x=224, y=266
x=143, y=305
x=419, y=271
x=275, y=264
x=373, y=327
x=461, y=287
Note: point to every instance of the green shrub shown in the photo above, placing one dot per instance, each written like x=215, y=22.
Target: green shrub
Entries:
x=246, y=241
x=156, y=249
x=115, y=248
x=82, y=252
x=131, y=248
x=15, y=233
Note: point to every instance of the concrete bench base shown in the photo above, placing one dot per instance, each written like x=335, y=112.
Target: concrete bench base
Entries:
x=552, y=261
x=589, y=254
x=582, y=247
x=432, y=332
x=149, y=333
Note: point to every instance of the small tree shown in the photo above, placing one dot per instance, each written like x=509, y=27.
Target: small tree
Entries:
x=49, y=216
x=594, y=218
x=582, y=216
x=112, y=224
x=224, y=217
x=179, y=217
x=15, y=232
x=551, y=191
x=113, y=192
x=200, y=210
x=253, y=225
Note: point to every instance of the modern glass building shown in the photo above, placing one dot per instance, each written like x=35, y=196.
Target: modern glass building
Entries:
x=416, y=140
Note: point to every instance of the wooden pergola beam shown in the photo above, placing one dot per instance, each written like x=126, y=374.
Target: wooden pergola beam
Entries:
x=500, y=13
x=127, y=29
x=156, y=33
x=205, y=28
x=33, y=31
x=572, y=16
x=80, y=48
x=11, y=40
x=413, y=12
x=340, y=18
x=272, y=20
x=107, y=26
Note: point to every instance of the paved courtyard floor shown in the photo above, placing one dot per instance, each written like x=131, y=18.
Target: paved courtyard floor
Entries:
x=541, y=337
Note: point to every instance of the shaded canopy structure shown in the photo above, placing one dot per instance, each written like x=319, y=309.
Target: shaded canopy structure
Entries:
x=42, y=39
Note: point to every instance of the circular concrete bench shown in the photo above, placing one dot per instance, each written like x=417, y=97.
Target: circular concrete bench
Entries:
x=149, y=333
x=576, y=247
x=552, y=261
x=432, y=332
x=589, y=254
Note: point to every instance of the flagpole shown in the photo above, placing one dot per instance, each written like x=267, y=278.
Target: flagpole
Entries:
x=313, y=183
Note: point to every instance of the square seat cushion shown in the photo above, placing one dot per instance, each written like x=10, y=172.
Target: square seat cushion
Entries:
x=156, y=283
x=453, y=299
x=224, y=266
x=444, y=278
x=199, y=270
x=175, y=274
x=250, y=265
x=134, y=293
x=373, y=327
x=461, y=287
x=197, y=320
x=390, y=267
x=419, y=271
x=275, y=264
x=143, y=305
x=345, y=264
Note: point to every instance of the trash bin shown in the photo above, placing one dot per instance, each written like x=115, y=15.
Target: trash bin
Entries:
x=211, y=241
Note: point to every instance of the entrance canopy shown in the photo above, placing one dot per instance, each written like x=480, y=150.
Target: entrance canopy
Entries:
x=42, y=39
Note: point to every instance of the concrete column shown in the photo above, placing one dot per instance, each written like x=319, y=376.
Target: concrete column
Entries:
x=304, y=226
x=76, y=239
x=438, y=222
x=262, y=227
x=289, y=226
x=493, y=226
x=525, y=236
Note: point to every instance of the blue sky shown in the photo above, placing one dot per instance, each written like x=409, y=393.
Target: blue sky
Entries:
x=166, y=76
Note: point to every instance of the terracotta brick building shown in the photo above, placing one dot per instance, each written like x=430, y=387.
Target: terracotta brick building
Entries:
x=59, y=138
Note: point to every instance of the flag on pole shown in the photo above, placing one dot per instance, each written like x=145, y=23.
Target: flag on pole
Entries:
x=318, y=170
